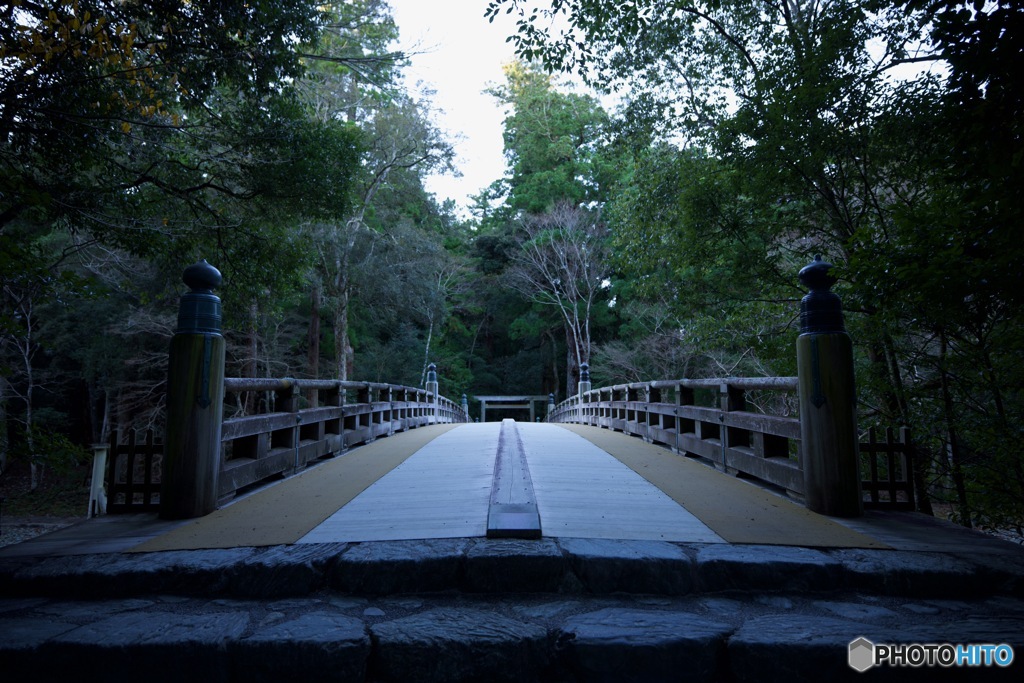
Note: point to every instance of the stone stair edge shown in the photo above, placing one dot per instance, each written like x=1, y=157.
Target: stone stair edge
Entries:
x=561, y=566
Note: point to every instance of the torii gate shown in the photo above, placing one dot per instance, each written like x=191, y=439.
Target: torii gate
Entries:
x=510, y=403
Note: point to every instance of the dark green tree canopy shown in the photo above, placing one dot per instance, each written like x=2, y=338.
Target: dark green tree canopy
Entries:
x=107, y=108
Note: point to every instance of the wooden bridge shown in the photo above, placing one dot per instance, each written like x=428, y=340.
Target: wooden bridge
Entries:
x=302, y=422
x=696, y=461
x=229, y=436
x=344, y=496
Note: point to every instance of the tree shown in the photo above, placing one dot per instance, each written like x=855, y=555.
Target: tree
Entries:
x=561, y=263
x=899, y=181
x=168, y=131
x=558, y=177
x=552, y=142
x=106, y=105
x=396, y=135
x=965, y=296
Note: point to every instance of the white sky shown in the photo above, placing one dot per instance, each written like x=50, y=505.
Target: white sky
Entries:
x=461, y=55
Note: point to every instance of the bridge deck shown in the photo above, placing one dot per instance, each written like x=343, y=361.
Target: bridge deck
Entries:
x=441, y=491
x=435, y=482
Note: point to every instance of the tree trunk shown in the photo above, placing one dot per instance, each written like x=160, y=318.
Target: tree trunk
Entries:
x=554, y=363
x=105, y=423
x=249, y=364
x=899, y=394
x=426, y=353
x=1004, y=421
x=572, y=367
x=342, y=348
x=35, y=462
x=4, y=437
x=955, y=456
x=574, y=358
x=313, y=335
x=313, y=342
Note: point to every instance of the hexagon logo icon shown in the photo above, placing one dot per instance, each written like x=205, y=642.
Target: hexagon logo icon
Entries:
x=862, y=654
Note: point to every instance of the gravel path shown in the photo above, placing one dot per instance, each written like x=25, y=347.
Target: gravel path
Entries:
x=17, y=529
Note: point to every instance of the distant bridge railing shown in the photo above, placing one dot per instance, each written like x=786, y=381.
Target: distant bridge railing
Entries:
x=305, y=420
x=736, y=439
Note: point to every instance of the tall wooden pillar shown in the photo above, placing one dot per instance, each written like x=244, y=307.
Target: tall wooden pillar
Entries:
x=195, y=398
x=830, y=454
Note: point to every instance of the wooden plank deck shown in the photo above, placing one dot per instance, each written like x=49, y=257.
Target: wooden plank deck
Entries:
x=583, y=492
x=441, y=491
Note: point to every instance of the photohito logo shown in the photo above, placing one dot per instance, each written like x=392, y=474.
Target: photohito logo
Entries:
x=864, y=654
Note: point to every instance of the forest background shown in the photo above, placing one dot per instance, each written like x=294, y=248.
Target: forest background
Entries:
x=277, y=140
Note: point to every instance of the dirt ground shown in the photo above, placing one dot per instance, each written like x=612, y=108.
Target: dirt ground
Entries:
x=61, y=500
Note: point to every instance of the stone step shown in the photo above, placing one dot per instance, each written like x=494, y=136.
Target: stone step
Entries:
x=560, y=566
x=498, y=637
x=516, y=610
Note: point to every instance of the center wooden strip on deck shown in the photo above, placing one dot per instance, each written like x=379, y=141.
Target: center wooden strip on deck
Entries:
x=441, y=491
x=584, y=492
x=513, y=511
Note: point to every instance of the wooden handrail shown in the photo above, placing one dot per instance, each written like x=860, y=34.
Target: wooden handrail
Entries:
x=729, y=436
x=737, y=440
x=286, y=437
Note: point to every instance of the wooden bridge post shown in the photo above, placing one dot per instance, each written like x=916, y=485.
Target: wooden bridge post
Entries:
x=195, y=401
x=583, y=387
x=432, y=387
x=830, y=455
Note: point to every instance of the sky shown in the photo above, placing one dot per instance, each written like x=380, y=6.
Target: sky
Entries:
x=459, y=54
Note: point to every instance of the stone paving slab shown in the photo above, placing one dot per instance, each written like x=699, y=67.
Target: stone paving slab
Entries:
x=324, y=645
x=616, y=644
x=521, y=637
x=457, y=644
x=500, y=566
x=473, y=609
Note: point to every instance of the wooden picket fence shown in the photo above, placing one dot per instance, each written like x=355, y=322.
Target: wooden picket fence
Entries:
x=887, y=470
x=133, y=473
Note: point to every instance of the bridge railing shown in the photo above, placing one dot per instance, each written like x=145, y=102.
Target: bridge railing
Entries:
x=299, y=421
x=278, y=427
x=763, y=443
x=734, y=438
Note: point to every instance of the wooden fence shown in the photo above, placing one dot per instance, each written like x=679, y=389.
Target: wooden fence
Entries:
x=887, y=467
x=294, y=423
x=133, y=473
x=300, y=421
x=711, y=419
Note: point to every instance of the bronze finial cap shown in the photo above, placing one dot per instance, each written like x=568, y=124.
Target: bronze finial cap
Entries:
x=816, y=276
x=199, y=310
x=821, y=311
x=201, y=277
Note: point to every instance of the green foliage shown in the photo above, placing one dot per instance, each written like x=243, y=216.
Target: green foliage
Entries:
x=552, y=142
x=688, y=238
x=802, y=143
x=275, y=140
x=107, y=91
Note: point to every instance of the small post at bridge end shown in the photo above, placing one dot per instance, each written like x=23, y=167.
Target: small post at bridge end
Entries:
x=582, y=388
x=432, y=386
